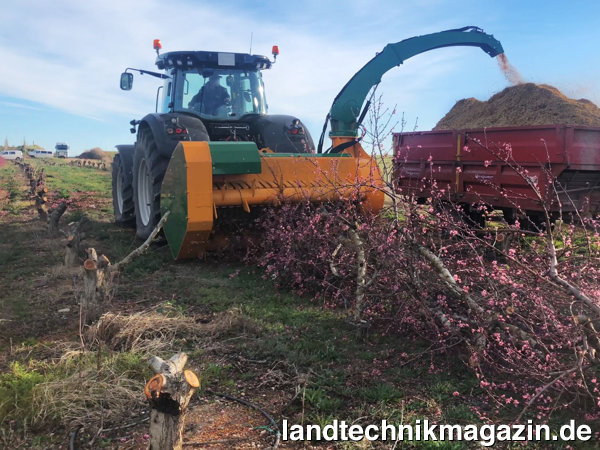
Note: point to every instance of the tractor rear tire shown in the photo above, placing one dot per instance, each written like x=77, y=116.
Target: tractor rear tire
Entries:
x=122, y=194
x=149, y=168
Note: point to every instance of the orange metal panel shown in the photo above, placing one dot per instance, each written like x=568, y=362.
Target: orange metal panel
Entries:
x=200, y=203
x=282, y=179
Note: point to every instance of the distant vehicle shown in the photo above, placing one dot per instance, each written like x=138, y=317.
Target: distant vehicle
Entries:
x=12, y=154
x=41, y=154
x=61, y=150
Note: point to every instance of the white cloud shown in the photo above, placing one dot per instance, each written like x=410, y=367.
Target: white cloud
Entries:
x=69, y=54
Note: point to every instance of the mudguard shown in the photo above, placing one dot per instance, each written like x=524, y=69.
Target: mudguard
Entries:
x=165, y=143
x=277, y=133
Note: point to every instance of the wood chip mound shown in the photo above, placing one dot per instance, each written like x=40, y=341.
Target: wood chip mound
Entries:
x=97, y=154
x=525, y=104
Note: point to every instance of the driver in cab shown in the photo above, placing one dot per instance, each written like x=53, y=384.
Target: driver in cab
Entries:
x=211, y=97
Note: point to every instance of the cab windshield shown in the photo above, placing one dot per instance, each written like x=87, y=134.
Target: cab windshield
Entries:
x=223, y=93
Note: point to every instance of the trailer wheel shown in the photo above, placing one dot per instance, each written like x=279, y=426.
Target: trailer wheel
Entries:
x=536, y=220
x=148, y=171
x=122, y=194
x=476, y=215
x=510, y=215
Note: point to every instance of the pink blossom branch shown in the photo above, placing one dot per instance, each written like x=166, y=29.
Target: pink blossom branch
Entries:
x=542, y=390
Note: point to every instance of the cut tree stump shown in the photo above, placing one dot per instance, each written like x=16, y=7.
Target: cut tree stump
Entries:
x=99, y=274
x=94, y=286
x=169, y=393
x=73, y=246
x=40, y=204
x=35, y=183
x=54, y=216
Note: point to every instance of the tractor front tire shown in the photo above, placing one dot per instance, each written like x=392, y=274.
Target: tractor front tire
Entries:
x=122, y=194
x=149, y=168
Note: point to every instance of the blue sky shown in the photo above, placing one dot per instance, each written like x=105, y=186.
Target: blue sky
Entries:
x=61, y=59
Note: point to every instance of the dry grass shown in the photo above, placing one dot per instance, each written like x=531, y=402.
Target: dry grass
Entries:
x=62, y=272
x=152, y=331
x=50, y=351
x=102, y=385
x=78, y=388
x=89, y=399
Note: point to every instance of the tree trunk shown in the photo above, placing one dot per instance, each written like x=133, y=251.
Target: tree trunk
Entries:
x=94, y=286
x=90, y=305
x=169, y=393
x=73, y=245
x=54, y=217
x=40, y=204
x=72, y=250
x=99, y=275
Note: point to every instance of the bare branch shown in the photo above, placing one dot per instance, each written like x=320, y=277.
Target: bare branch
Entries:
x=142, y=248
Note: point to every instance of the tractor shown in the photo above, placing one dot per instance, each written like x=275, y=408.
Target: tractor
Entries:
x=209, y=159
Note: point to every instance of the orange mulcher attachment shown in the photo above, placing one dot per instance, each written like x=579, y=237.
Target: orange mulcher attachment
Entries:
x=205, y=176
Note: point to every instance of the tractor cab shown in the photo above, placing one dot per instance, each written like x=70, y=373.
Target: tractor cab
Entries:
x=214, y=85
x=216, y=96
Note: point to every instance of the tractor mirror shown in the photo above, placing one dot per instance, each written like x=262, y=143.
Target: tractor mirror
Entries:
x=126, y=81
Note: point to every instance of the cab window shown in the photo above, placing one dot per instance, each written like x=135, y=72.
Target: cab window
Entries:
x=235, y=93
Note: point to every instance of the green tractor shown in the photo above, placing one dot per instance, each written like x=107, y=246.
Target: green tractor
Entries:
x=186, y=112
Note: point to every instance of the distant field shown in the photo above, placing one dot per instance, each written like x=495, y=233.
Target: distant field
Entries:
x=66, y=179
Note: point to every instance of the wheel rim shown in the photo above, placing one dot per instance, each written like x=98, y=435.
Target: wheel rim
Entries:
x=144, y=189
x=120, y=189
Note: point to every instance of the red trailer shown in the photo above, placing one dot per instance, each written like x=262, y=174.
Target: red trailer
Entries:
x=483, y=165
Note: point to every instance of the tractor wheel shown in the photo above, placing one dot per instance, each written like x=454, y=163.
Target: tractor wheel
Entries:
x=149, y=168
x=122, y=193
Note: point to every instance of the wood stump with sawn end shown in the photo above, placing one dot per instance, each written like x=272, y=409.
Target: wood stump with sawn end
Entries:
x=169, y=393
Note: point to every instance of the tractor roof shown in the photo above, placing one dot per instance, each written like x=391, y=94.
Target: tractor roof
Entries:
x=205, y=59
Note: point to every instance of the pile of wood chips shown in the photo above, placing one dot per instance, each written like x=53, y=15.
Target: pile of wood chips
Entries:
x=521, y=105
x=97, y=154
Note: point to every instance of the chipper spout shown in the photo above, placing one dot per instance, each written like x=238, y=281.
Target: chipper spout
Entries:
x=347, y=106
x=203, y=177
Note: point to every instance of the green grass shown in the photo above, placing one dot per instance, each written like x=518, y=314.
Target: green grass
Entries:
x=65, y=179
x=16, y=199
x=380, y=392
x=16, y=393
x=32, y=393
x=317, y=341
x=7, y=174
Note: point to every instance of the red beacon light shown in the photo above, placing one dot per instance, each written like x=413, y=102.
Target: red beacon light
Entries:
x=157, y=45
x=275, y=52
